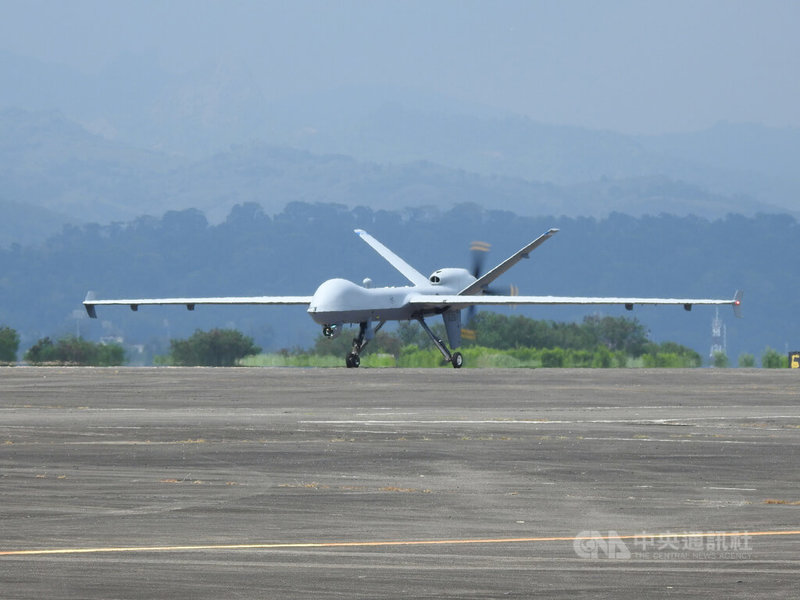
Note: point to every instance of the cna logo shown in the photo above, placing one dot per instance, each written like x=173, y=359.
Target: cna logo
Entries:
x=594, y=545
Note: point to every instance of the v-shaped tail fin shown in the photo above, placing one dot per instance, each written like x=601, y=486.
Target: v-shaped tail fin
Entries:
x=482, y=282
x=398, y=263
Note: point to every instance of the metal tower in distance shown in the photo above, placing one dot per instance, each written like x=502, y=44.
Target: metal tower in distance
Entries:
x=719, y=334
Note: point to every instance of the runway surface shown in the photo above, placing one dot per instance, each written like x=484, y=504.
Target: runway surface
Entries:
x=337, y=483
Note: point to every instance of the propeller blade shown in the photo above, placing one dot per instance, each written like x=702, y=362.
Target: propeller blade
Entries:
x=468, y=331
x=478, y=251
x=511, y=290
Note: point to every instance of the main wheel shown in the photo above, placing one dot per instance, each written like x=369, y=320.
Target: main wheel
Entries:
x=457, y=360
x=352, y=361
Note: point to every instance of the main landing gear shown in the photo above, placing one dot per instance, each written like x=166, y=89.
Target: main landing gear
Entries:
x=455, y=358
x=366, y=333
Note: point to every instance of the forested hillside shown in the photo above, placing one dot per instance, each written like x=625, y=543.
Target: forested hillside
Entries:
x=59, y=171
x=252, y=253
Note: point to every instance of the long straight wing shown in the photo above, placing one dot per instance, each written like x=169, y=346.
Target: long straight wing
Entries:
x=458, y=301
x=91, y=302
x=398, y=263
x=476, y=286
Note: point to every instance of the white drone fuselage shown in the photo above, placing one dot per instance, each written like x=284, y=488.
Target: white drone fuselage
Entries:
x=339, y=301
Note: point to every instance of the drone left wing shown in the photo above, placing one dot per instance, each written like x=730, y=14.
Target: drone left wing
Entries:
x=458, y=301
x=91, y=302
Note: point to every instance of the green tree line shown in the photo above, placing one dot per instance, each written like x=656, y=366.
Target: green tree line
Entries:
x=500, y=341
x=497, y=340
x=9, y=345
x=215, y=348
x=72, y=350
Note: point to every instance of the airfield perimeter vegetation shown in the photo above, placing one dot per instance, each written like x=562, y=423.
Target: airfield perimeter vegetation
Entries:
x=252, y=483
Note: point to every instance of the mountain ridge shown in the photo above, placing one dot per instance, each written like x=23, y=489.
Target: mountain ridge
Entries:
x=53, y=162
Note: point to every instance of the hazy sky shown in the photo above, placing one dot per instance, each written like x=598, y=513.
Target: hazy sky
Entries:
x=630, y=66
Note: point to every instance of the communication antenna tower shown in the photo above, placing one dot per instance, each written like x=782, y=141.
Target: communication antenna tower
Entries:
x=719, y=335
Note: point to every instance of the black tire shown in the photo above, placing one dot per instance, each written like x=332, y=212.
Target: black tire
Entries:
x=352, y=361
x=457, y=360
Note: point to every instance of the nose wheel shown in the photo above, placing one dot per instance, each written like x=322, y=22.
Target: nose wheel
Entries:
x=352, y=361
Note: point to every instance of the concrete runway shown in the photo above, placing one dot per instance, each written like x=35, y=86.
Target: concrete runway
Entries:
x=344, y=483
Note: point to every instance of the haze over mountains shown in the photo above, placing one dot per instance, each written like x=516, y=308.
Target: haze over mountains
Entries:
x=131, y=140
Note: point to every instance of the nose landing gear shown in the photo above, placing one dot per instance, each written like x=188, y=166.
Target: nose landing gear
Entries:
x=365, y=334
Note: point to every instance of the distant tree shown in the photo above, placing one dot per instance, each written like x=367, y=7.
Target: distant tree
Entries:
x=553, y=358
x=43, y=351
x=772, y=359
x=410, y=333
x=615, y=333
x=720, y=360
x=627, y=335
x=109, y=355
x=680, y=355
x=386, y=343
x=73, y=350
x=9, y=344
x=602, y=358
x=747, y=361
x=215, y=348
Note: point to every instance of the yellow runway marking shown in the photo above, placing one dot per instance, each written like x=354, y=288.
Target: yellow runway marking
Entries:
x=387, y=543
